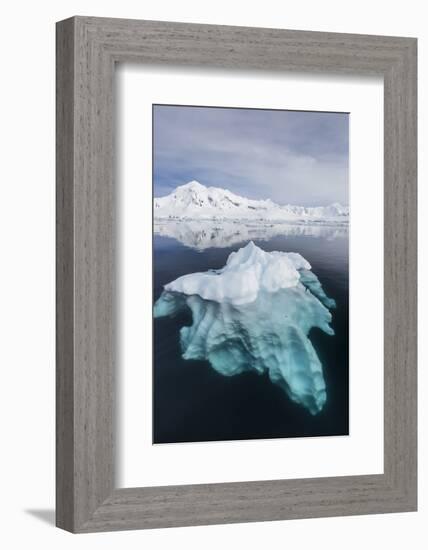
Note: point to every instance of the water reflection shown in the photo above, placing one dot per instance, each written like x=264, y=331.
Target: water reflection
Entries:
x=221, y=234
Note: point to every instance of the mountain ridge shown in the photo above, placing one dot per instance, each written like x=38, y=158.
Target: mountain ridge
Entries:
x=195, y=201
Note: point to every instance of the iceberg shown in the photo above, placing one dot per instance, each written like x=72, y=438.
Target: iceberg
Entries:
x=246, y=272
x=255, y=314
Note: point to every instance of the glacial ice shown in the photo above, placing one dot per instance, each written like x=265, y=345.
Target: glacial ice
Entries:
x=246, y=272
x=255, y=314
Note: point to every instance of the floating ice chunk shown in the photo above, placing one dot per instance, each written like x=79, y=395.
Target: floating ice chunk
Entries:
x=246, y=272
x=267, y=334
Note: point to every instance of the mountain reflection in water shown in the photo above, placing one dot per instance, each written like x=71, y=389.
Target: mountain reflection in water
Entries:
x=201, y=235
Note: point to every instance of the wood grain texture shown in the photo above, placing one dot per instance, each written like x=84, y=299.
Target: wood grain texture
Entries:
x=87, y=50
x=64, y=277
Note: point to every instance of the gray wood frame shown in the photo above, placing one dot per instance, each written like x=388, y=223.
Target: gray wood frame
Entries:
x=87, y=50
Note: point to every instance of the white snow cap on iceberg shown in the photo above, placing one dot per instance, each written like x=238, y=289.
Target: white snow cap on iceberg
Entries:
x=246, y=272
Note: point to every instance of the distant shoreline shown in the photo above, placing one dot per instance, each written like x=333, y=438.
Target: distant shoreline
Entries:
x=251, y=221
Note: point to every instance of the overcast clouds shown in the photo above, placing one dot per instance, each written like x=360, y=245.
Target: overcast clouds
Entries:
x=289, y=156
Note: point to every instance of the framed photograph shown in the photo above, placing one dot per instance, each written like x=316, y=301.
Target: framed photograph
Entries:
x=236, y=274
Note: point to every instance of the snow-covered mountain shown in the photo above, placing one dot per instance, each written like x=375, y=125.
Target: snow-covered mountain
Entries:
x=194, y=201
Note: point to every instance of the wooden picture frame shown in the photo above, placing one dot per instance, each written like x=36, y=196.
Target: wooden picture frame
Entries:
x=87, y=50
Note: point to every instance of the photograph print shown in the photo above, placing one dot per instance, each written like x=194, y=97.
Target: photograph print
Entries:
x=250, y=274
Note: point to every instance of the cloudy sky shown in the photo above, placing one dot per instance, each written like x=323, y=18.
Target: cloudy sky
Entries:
x=291, y=157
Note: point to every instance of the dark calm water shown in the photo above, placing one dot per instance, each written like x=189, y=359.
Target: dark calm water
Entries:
x=192, y=402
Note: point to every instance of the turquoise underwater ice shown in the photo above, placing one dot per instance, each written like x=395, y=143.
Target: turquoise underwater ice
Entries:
x=267, y=334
